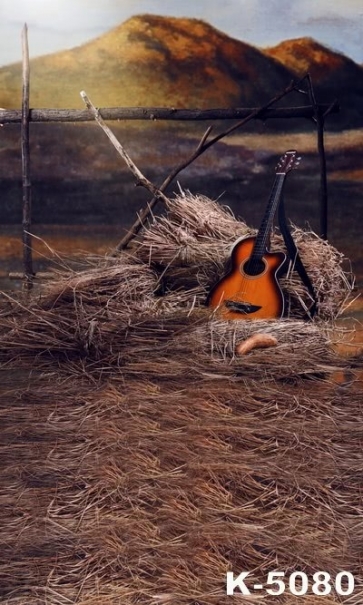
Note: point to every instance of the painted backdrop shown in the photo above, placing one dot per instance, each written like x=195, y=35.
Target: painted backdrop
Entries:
x=182, y=54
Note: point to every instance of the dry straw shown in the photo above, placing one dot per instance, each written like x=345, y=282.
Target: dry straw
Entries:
x=192, y=246
x=142, y=458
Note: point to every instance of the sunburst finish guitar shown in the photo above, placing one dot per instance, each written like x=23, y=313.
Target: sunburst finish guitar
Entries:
x=251, y=289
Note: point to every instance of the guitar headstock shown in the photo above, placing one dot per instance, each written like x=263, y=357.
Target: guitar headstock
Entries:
x=287, y=162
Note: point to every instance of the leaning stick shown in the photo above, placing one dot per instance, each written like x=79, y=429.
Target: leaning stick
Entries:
x=140, y=178
x=202, y=146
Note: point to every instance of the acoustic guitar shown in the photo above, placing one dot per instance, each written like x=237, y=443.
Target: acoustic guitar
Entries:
x=251, y=289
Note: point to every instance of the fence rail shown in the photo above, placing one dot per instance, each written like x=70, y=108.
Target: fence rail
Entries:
x=9, y=116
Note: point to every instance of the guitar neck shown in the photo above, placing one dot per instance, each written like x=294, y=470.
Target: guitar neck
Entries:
x=266, y=224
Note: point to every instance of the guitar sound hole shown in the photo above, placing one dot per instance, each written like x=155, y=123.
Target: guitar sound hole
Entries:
x=254, y=267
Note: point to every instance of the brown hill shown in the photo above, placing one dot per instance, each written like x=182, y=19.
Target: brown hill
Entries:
x=333, y=74
x=151, y=60
x=305, y=54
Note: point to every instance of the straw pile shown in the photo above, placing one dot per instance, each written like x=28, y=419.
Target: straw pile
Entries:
x=143, y=459
x=192, y=244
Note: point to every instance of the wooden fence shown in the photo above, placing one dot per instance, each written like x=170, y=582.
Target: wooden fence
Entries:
x=313, y=111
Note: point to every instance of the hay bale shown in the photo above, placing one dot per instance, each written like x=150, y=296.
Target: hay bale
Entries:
x=142, y=458
x=190, y=247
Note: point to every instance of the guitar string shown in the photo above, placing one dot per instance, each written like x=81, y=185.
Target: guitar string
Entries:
x=257, y=258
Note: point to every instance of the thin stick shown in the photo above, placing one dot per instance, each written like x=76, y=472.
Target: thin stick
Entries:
x=143, y=214
x=319, y=118
x=25, y=155
x=140, y=178
x=203, y=145
x=323, y=189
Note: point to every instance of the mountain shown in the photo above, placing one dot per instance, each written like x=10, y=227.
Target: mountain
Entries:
x=151, y=61
x=333, y=74
x=306, y=54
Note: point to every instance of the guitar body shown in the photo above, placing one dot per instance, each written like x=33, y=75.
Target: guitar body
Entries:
x=251, y=290
x=250, y=294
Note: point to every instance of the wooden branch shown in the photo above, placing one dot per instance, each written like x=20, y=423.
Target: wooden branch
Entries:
x=8, y=116
x=323, y=188
x=25, y=155
x=140, y=178
x=203, y=145
x=319, y=118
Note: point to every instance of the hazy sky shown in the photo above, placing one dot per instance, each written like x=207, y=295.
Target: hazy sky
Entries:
x=58, y=24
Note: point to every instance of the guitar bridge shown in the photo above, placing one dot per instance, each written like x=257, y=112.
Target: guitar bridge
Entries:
x=241, y=307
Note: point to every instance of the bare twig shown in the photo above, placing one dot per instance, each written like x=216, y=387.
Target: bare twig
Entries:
x=25, y=154
x=203, y=145
x=140, y=178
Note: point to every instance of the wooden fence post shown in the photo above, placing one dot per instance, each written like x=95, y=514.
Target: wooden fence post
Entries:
x=25, y=156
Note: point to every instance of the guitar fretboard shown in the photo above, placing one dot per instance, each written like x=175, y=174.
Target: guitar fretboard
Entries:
x=266, y=224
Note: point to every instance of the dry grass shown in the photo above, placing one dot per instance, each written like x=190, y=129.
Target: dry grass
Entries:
x=191, y=248
x=147, y=488
x=142, y=459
